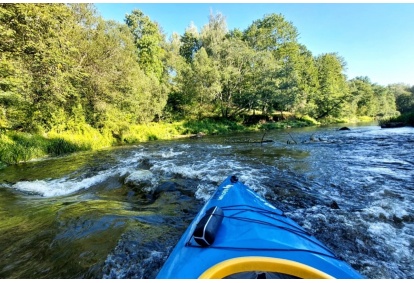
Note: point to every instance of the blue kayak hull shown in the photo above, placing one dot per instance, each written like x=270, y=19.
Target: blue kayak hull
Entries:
x=252, y=230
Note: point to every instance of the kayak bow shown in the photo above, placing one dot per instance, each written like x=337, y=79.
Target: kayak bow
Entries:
x=238, y=234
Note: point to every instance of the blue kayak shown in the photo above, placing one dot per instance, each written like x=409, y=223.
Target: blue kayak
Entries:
x=238, y=234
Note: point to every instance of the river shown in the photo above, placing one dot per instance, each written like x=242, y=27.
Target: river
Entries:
x=77, y=217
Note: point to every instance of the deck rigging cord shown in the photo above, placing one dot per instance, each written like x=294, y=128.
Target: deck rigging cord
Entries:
x=275, y=216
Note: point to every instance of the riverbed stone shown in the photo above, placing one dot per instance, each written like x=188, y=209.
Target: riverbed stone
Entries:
x=142, y=179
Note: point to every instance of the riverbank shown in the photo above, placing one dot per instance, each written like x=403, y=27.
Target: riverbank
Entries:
x=16, y=147
x=406, y=119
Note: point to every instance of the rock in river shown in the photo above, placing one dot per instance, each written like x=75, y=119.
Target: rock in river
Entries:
x=142, y=179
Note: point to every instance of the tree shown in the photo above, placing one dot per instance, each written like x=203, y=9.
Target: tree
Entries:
x=333, y=89
x=308, y=83
x=298, y=79
x=237, y=63
x=206, y=81
x=362, y=97
x=147, y=39
x=37, y=62
x=287, y=85
x=385, y=101
x=404, y=97
x=190, y=43
x=270, y=33
x=213, y=33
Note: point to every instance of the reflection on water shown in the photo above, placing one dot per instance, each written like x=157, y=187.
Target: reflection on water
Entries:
x=75, y=216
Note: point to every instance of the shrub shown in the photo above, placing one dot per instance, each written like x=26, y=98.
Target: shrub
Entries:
x=59, y=146
x=406, y=118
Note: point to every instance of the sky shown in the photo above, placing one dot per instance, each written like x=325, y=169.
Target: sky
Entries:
x=375, y=39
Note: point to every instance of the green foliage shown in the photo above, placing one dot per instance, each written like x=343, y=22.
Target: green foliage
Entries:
x=406, y=119
x=211, y=126
x=70, y=81
x=333, y=88
x=304, y=121
x=190, y=43
x=147, y=39
x=404, y=97
x=84, y=137
x=59, y=146
x=153, y=131
x=309, y=120
x=270, y=33
x=18, y=147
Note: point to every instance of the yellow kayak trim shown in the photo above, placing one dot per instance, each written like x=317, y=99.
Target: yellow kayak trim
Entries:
x=264, y=264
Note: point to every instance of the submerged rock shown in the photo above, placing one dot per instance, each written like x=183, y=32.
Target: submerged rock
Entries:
x=334, y=205
x=142, y=181
x=138, y=178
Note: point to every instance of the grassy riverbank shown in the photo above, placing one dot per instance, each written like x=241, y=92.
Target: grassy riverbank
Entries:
x=16, y=147
x=406, y=119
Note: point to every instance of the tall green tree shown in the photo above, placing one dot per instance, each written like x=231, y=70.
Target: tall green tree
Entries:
x=362, y=97
x=206, y=82
x=290, y=82
x=179, y=70
x=307, y=82
x=404, y=97
x=36, y=44
x=298, y=78
x=148, y=39
x=333, y=89
x=385, y=101
x=190, y=43
x=236, y=61
x=213, y=33
x=270, y=33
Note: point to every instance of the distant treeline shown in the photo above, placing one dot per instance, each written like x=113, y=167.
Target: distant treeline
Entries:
x=63, y=68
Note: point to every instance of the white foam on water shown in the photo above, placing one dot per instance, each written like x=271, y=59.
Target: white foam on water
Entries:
x=60, y=187
x=376, y=212
x=137, y=156
x=392, y=237
x=170, y=153
x=198, y=170
x=204, y=191
x=380, y=229
x=184, y=146
x=219, y=146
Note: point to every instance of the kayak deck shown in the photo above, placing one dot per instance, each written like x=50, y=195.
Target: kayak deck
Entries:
x=253, y=236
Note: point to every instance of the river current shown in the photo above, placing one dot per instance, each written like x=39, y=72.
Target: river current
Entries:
x=77, y=216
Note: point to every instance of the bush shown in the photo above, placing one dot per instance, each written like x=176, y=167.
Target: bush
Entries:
x=20, y=147
x=308, y=120
x=59, y=146
x=406, y=118
x=212, y=126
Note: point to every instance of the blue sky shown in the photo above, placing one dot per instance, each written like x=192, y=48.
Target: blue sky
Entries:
x=375, y=39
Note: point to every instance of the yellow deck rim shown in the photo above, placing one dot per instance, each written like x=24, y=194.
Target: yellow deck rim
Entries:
x=265, y=264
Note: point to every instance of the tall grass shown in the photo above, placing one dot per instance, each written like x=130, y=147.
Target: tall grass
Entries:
x=151, y=132
x=18, y=147
x=84, y=137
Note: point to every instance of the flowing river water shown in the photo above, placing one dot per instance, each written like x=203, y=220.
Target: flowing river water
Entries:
x=77, y=216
